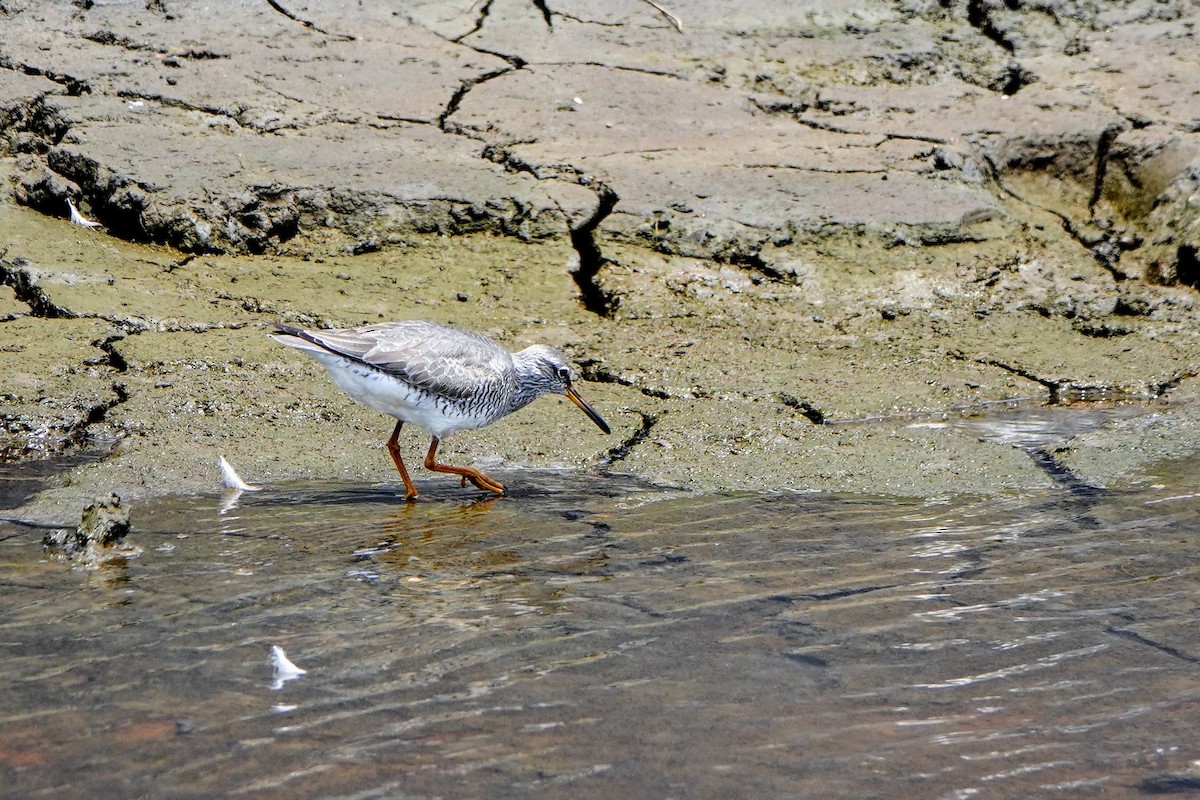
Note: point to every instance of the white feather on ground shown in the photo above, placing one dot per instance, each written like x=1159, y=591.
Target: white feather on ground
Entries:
x=231, y=480
x=80, y=219
x=285, y=670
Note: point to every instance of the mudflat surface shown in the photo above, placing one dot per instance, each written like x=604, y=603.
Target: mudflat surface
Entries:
x=789, y=246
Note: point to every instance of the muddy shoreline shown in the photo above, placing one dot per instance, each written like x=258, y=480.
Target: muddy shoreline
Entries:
x=787, y=250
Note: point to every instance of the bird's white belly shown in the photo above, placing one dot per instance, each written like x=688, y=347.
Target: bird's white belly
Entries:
x=395, y=397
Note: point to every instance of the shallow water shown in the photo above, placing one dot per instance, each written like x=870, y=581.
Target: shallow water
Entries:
x=590, y=636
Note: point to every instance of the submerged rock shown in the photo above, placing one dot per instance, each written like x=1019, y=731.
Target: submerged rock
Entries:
x=104, y=522
x=103, y=525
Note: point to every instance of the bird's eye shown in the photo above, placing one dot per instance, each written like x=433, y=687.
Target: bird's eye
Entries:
x=564, y=374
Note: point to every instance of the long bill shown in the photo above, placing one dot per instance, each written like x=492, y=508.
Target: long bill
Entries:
x=587, y=409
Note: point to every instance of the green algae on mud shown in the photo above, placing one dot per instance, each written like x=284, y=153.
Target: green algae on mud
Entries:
x=184, y=339
x=713, y=375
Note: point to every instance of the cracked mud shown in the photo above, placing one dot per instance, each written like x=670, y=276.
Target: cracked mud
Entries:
x=781, y=241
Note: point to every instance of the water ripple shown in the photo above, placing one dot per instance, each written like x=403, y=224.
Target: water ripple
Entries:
x=617, y=643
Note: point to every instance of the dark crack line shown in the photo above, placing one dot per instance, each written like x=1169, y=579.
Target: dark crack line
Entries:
x=108, y=346
x=1054, y=387
x=1064, y=391
x=74, y=86
x=261, y=83
x=622, y=450
x=108, y=38
x=1170, y=650
x=657, y=73
x=18, y=274
x=182, y=261
x=1105, y=252
x=452, y=105
x=515, y=61
x=978, y=18
x=405, y=120
x=635, y=152
x=500, y=154
x=1163, y=388
x=596, y=372
x=838, y=594
x=911, y=137
x=484, y=11
x=234, y=115
x=171, y=59
x=27, y=290
x=806, y=409
x=99, y=413
x=582, y=235
x=582, y=21
x=1024, y=373
x=591, y=259
x=1060, y=473
x=818, y=125
x=547, y=14
x=231, y=114
x=1015, y=76
x=821, y=170
x=1103, y=147
x=345, y=37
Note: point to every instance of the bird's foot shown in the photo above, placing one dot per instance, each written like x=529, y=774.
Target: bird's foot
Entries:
x=482, y=481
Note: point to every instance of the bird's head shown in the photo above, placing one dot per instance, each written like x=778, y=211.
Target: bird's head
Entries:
x=549, y=372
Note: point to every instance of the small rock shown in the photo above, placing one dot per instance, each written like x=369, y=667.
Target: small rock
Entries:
x=59, y=539
x=104, y=525
x=104, y=522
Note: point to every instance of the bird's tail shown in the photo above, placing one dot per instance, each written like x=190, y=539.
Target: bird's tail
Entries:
x=298, y=338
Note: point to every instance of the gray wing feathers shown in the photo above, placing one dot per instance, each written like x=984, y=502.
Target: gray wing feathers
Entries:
x=439, y=359
x=344, y=342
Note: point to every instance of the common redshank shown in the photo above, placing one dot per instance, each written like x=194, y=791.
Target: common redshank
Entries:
x=441, y=378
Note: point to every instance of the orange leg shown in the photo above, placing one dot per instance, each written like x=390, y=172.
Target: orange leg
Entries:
x=473, y=475
x=410, y=491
